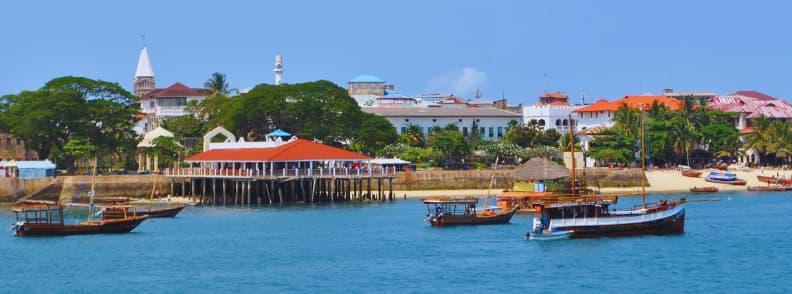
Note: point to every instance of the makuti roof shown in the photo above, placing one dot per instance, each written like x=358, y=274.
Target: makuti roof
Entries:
x=367, y=79
x=632, y=102
x=297, y=150
x=144, y=65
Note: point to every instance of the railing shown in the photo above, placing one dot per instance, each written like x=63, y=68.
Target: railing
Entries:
x=285, y=172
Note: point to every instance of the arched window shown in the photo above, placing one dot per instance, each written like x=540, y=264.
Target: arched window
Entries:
x=558, y=122
x=541, y=123
x=566, y=123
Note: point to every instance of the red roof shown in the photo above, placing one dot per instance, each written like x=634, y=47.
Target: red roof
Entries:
x=176, y=90
x=756, y=95
x=632, y=102
x=296, y=150
x=554, y=95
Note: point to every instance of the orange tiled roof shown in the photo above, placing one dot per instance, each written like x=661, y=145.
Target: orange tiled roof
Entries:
x=296, y=150
x=554, y=95
x=632, y=102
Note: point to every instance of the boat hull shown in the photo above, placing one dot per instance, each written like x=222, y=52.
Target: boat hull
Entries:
x=549, y=236
x=96, y=227
x=737, y=182
x=704, y=189
x=670, y=224
x=768, y=188
x=461, y=220
x=692, y=174
x=150, y=212
x=774, y=180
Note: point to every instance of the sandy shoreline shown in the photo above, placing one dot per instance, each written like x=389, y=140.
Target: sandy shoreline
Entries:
x=660, y=181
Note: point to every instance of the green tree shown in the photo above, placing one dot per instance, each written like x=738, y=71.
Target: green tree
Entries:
x=450, y=142
x=413, y=136
x=218, y=84
x=166, y=148
x=613, y=147
x=760, y=139
x=374, y=134
x=73, y=107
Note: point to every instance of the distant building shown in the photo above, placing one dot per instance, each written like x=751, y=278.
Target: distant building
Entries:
x=750, y=105
x=699, y=96
x=278, y=69
x=601, y=113
x=489, y=123
x=365, y=89
x=551, y=112
x=12, y=148
x=157, y=104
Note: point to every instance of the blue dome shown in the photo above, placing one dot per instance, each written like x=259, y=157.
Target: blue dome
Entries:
x=367, y=79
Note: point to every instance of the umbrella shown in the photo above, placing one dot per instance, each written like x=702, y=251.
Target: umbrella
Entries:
x=278, y=133
x=540, y=169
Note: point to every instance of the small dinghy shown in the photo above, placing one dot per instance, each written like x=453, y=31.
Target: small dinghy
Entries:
x=540, y=233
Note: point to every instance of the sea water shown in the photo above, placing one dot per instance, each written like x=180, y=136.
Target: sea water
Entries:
x=740, y=244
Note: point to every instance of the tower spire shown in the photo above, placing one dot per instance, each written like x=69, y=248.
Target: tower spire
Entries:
x=278, y=69
x=144, y=76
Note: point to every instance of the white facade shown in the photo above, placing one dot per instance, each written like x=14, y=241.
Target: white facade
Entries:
x=550, y=116
x=278, y=69
x=491, y=123
x=588, y=120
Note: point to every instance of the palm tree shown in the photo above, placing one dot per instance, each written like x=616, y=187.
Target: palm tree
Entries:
x=414, y=136
x=627, y=121
x=760, y=139
x=218, y=84
x=682, y=138
x=781, y=139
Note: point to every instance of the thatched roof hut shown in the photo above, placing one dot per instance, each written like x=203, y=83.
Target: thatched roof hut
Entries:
x=540, y=169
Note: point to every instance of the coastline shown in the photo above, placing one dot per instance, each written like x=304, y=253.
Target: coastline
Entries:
x=659, y=181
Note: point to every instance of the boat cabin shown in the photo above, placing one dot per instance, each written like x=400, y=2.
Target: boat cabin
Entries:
x=451, y=206
x=573, y=210
x=38, y=213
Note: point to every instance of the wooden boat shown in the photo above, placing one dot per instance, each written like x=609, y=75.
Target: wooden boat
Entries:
x=725, y=178
x=548, y=236
x=120, y=212
x=692, y=174
x=774, y=180
x=462, y=211
x=704, y=189
x=769, y=188
x=152, y=212
x=47, y=220
x=593, y=218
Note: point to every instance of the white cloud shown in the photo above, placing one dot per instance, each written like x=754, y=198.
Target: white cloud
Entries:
x=463, y=83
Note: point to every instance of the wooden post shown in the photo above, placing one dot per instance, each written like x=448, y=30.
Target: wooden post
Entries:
x=224, y=193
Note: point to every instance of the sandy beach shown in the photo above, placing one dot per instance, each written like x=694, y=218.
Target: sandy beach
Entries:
x=660, y=181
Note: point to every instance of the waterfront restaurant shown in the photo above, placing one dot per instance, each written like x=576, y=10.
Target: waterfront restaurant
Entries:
x=276, y=157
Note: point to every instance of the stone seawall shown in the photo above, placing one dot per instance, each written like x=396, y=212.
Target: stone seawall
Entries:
x=12, y=189
x=139, y=186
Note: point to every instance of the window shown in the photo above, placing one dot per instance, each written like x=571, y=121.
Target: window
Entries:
x=407, y=119
x=151, y=105
x=460, y=120
x=481, y=132
x=8, y=141
x=434, y=120
x=491, y=132
x=500, y=132
x=464, y=131
x=403, y=130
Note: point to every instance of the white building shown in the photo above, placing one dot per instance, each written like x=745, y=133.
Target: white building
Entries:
x=157, y=104
x=490, y=123
x=551, y=112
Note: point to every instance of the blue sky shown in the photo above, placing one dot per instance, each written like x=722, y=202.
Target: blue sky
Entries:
x=605, y=49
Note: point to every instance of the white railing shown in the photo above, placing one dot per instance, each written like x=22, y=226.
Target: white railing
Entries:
x=285, y=172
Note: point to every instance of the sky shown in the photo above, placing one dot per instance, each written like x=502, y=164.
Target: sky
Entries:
x=508, y=49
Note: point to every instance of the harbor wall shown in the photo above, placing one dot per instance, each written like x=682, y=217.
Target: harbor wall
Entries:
x=68, y=188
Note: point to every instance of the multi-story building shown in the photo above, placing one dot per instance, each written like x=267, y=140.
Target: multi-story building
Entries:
x=489, y=123
x=750, y=105
x=551, y=112
x=157, y=104
x=14, y=148
x=601, y=113
x=365, y=89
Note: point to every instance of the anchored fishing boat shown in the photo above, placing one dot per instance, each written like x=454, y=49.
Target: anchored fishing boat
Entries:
x=774, y=180
x=45, y=218
x=725, y=178
x=588, y=219
x=462, y=211
x=704, y=189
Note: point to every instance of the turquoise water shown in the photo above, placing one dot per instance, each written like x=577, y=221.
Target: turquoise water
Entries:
x=738, y=245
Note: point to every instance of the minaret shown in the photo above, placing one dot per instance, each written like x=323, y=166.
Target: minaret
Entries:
x=144, y=75
x=278, y=69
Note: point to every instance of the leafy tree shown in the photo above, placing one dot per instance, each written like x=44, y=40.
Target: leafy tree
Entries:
x=79, y=148
x=450, y=142
x=413, y=136
x=613, y=147
x=760, y=139
x=722, y=139
x=373, y=134
x=166, y=148
x=73, y=107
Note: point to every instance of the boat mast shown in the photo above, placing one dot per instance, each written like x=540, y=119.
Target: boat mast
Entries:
x=643, y=159
x=492, y=178
x=572, y=151
x=91, y=192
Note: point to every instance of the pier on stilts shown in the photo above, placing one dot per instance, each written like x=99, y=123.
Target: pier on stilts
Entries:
x=229, y=186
